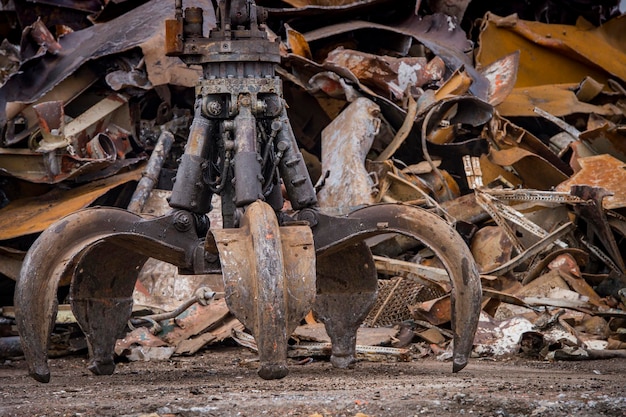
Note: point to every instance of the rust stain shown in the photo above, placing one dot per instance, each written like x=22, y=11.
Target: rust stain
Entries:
x=603, y=171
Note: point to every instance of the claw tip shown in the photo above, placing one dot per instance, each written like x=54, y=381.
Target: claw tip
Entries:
x=458, y=365
x=273, y=371
x=41, y=377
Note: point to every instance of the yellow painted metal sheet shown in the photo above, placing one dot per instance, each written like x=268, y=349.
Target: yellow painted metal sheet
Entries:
x=35, y=214
x=555, y=54
x=558, y=100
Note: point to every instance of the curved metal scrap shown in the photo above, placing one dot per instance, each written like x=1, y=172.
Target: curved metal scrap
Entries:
x=333, y=234
x=75, y=246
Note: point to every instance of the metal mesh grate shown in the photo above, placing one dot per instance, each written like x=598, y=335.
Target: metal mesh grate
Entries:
x=395, y=295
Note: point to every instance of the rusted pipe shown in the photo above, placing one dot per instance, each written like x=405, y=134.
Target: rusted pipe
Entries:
x=150, y=177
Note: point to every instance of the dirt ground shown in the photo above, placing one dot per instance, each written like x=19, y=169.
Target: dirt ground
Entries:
x=222, y=381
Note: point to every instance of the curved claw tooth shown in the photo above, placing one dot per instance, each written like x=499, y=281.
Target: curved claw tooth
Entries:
x=273, y=371
x=434, y=232
x=102, y=368
x=342, y=362
x=52, y=260
x=40, y=376
x=459, y=363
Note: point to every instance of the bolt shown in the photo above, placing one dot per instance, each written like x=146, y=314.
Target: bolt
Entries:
x=214, y=108
x=282, y=146
x=309, y=216
x=182, y=221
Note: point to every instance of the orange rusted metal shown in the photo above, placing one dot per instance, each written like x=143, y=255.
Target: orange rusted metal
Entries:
x=601, y=171
x=32, y=215
x=564, y=53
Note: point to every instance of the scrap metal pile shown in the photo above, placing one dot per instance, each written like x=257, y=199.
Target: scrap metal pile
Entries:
x=507, y=121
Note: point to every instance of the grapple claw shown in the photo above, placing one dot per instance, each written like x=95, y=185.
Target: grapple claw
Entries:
x=269, y=277
x=346, y=292
x=333, y=235
x=72, y=251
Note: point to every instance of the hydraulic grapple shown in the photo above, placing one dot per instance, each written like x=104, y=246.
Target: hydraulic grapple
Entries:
x=276, y=266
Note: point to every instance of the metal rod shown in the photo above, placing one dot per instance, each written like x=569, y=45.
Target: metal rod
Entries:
x=150, y=176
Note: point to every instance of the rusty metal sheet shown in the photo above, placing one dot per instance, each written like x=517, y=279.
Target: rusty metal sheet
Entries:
x=52, y=15
x=433, y=31
x=500, y=338
x=387, y=75
x=535, y=172
x=437, y=311
x=581, y=286
x=194, y=321
x=502, y=76
x=456, y=85
x=339, y=83
x=345, y=143
x=94, y=120
x=378, y=336
x=465, y=209
x=507, y=135
x=9, y=59
x=308, y=10
x=83, y=5
x=32, y=166
x=296, y=43
x=601, y=171
x=38, y=76
x=11, y=262
x=35, y=214
x=605, y=138
x=37, y=41
x=111, y=9
x=558, y=100
x=453, y=8
x=556, y=54
x=66, y=91
x=139, y=336
x=491, y=248
x=62, y=150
